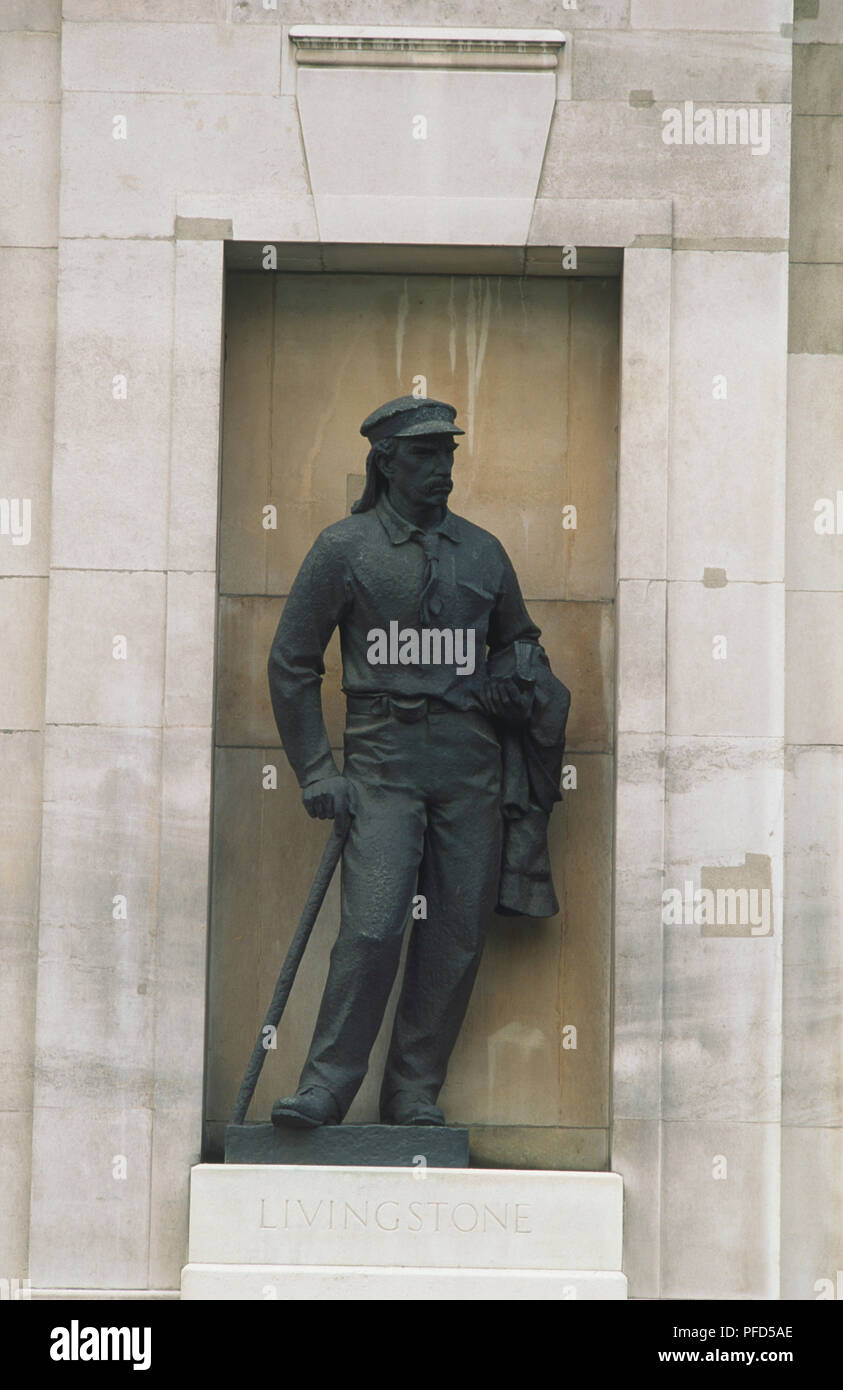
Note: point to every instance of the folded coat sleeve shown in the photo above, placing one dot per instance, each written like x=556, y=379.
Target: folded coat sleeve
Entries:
x=532, y=771
x=318, y=599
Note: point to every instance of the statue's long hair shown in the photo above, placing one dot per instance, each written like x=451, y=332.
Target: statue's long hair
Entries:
x=375, y=481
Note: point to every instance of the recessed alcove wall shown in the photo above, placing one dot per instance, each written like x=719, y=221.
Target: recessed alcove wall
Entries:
x=531, y=362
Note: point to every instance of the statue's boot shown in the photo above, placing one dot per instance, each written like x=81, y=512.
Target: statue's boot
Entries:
x=307, y=1109
x=405, y=1109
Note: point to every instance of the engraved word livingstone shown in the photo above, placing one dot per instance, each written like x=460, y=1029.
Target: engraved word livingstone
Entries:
x=275, y=1223
x=330, y=1214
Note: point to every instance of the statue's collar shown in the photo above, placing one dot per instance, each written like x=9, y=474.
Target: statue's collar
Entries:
x=399, y=530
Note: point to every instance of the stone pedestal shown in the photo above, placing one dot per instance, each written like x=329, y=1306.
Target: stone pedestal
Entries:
x=296, y=1231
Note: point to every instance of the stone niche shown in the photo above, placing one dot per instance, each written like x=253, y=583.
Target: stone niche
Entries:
x=424, y=149
x=530, y=359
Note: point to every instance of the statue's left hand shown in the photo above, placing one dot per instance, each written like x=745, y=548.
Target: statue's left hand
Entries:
x=505, y=699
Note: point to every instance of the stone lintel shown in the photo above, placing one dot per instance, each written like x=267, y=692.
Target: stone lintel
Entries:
x=351, y=45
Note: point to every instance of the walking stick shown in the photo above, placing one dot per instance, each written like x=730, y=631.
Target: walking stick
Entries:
x=316, y=897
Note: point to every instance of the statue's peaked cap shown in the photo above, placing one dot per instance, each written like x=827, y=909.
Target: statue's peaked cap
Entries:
x=410, y=415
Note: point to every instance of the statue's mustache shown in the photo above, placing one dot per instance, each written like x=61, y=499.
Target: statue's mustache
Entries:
x=442, y=484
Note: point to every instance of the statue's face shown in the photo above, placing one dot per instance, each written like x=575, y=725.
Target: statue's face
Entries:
x=419, y=472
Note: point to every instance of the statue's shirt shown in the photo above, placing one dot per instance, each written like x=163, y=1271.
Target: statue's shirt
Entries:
x=365, y=574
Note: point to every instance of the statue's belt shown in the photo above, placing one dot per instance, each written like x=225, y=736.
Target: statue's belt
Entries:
x=407, y=709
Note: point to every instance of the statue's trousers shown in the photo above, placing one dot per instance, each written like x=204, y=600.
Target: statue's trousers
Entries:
x=427, y=826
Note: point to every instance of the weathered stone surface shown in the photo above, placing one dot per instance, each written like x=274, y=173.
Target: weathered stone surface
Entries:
x=815, y=665
x=598, y=222
x=176, y=1146
x=27, y=363
x=642, y=630
x=16, y=1151
x=726, y=660
x=554, y=1147
x=815, y=324
x=681, y=66
x=636, y=1155
x=121, y=56
x=722, y=1030
x=501, y=14
x=644, y=414
x=729, y=392
x=186, y=11
x=20, y=831
x=127, y=187
x=266, y=215
x=579, y=640
x=113, y=392
x=816, y=88
x=817, y=161
x=812, y=1212
x=181, y=981
x=31, y=15
x=723, y=793
x=719, y=1210
x=430, y=221
x=812, y=1083
x=98, y=917
x=814, y=483
x=718, y=190
x=191, y=609
x=195, y=425
x=23, y=630
x=92, y=677
x=638, y=960
x=29, y=169
x=180, y=945
x=90, y=1202
x=816, y=23
x=753, y=16
x=29, y=66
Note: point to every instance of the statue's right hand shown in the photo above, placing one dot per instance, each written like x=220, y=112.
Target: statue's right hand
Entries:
x=328, y=799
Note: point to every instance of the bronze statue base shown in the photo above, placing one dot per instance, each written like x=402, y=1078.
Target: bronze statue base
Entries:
x=365, y=1146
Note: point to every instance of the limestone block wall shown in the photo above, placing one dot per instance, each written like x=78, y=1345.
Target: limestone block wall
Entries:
x=178, y=127
x=707, y=746
x=30, y=92
x=812, y=1082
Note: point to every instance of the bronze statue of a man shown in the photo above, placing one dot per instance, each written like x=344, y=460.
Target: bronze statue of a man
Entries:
x=453, y=750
